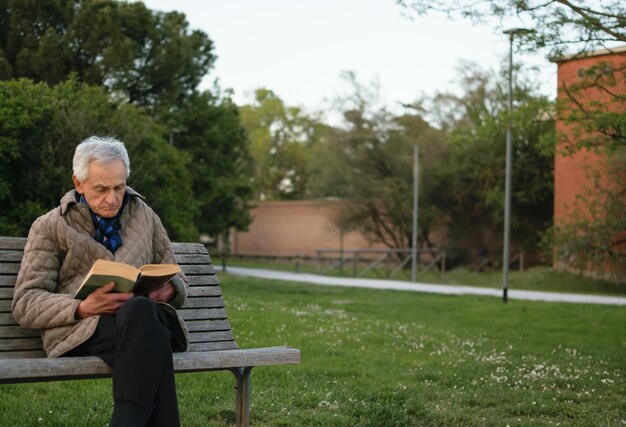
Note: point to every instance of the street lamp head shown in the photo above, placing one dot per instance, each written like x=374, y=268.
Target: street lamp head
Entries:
x=518, y=31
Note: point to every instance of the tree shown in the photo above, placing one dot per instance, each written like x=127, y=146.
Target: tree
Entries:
x=558, y=24
x=210, y=132
x=147, y=64
x=594, y=237
x=593, y=108
x=280, y=142
x=152, y=58
x=25, y=110
x=368, y=163
x=474, y=173
x=40, y=127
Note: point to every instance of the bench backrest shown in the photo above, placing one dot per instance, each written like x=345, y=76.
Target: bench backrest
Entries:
x=204, y=311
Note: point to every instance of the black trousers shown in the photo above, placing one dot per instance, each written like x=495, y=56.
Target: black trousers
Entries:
x=136, y=343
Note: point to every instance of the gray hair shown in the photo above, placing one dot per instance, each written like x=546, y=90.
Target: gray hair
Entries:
x=100, y=149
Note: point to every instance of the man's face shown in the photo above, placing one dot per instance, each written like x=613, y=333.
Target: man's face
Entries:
x=104, y=187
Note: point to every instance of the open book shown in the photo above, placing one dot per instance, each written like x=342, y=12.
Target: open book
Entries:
x=126, y=277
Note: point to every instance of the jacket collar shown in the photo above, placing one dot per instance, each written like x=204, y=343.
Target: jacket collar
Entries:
x=70, y=198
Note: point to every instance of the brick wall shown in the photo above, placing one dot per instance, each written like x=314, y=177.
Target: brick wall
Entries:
x=571, y=171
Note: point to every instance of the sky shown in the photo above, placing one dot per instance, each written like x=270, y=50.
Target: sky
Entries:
x=299, y=48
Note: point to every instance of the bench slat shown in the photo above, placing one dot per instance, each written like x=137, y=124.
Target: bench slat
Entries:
x=9, y=267
x=211, y=336
x=16, y=243
x=194, y=269
x=21, y=344
x=44, y=369
x=196, y=328
x=188, y=248
x=7, y=319
x=213, y=346
x=207, y=325
x=199, y=361
x=203, y=280
x=192, y=258
x=211, y=302
x=202, y=313
x=7, y=281
x=206, y=340
x=17, y=332
x=14, y=256
x=204, y=291
x=21, y=355
x=68, y=368
x=18, y=338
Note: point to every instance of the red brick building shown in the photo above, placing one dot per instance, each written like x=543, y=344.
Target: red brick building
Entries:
x=573, y=172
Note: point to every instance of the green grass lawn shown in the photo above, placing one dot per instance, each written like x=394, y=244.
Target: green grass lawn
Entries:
x=387, y=358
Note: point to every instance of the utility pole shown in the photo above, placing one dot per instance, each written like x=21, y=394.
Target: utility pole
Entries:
x=414, y=251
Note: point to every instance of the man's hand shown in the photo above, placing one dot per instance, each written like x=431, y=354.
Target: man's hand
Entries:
x=163, y=293
x=102, y=301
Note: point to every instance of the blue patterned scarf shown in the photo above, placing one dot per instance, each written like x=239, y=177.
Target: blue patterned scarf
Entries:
x=107, y=229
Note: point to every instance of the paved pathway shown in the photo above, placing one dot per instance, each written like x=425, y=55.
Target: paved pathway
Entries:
x=513, y=294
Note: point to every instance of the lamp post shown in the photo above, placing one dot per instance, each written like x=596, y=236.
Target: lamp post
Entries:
x=414, y=251
x=509, y=155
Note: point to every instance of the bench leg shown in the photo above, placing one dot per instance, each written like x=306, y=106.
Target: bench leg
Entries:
x=242, y=396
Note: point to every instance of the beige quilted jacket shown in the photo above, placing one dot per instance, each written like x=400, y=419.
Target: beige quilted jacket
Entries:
x=60, y=251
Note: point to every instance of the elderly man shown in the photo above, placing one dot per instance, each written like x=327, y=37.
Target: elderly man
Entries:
x=102, y=218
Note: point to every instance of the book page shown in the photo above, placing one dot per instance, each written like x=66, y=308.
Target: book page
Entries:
x=159, y=269
x=112, y=268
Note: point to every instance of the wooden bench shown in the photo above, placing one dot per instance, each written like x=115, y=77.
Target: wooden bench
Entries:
x=212, y=343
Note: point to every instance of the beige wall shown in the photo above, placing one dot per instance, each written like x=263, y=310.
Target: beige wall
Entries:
x=294, y=227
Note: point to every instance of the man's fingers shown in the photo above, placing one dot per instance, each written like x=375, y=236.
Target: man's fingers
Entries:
x=106, y=288
x=123, y=297
x=163, y=293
